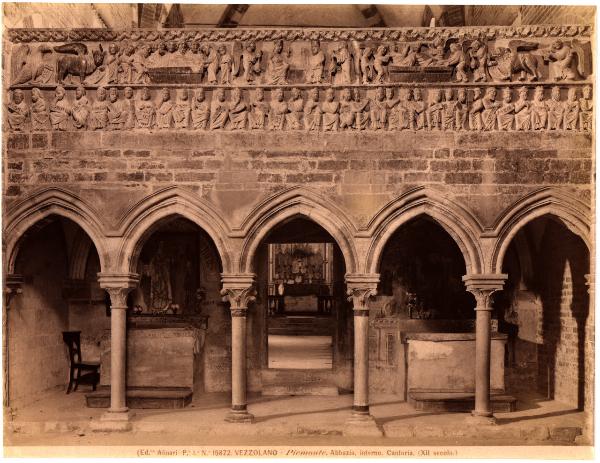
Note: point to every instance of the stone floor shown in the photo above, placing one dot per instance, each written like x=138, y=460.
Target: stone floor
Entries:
x=61, y=419
x=306, y=352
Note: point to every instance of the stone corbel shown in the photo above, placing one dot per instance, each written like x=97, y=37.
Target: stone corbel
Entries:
x=483, y=286
x=118, y=286
x=12, y=286
x=239, y=291
x=360, y=288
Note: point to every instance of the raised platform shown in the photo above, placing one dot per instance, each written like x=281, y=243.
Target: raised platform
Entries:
x=281, y=382
x=144, y=397
x=457, y=401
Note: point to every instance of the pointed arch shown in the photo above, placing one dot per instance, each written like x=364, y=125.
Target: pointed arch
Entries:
x=571, y=211
x=146, y=215
x=44, y=203
x=293, y=202
x=455, y=219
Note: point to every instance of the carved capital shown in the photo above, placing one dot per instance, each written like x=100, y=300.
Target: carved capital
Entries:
x=118, y=286
x=238, y=289
x=361, y=287
x=12, y=287
x=482, y=286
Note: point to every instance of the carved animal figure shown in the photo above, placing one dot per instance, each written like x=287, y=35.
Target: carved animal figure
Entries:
x=82, y=64
x=515, y=58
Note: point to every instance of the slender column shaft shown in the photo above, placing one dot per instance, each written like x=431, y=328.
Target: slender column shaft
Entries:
x=238, y=363
x=118, y=359
x=482, y=361
x=361, y=362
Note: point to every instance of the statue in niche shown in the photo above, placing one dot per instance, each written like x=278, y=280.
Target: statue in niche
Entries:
x=516, y=58
x=60, y=111
x=561, y=59
x=391, y=103
x=478, y=59
x=331, y=117
x=82, y=65
x=539, y=110
x=316, y=63
x=491, y=106
x=200, y=110
x=260, y=108
x=81, y=109
x=340, y=67
x=433, y=114
x=145, y=112
x=98, y=118
x=17, y=111
x=278, y=110
x=219, y=110
x=237, y=110
x=278, y=65
x=112, y=63
x=378, y=109
x=346, y=110
x=380, y=62
x=449, y=116
x=312, y=111
x=556, y=110
x=586, y=107
x=211, y=63
x=40, y=119
x=296, y=110
x=571, y=110
x=29, y=64
x=117, y=111
x=250, y=62
x=164, y=110
x=360, y=110
x=418, y=110
x=225, y=65
x=506, y=112
x=462, y=110
x=404, y=109
x=475, y=112
x=364, y=64
x=181, y=110
x=522, y=110
x=129, y=109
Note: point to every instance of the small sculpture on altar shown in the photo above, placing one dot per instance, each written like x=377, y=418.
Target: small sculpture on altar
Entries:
x=522, y=110
x=378, y=109
x=219, y=110
x=586, y=106
x=506, y=112
x=556, y=110
x=296, y=110
x=200, y=110
x=59, y=110
x=571, y=116
x=81, y=109
x=330, y=109
x=316, y=62
x=40, y=119
x=260, y=108
x=278, y=66
x=98, y=118
x=312, y=111
x=145, y=111
x=17, y=111
x=539, y=110
x=278, y=110
x=182, y=109
x=164, y=111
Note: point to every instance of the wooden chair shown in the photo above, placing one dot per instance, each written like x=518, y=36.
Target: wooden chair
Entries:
x=80, y=371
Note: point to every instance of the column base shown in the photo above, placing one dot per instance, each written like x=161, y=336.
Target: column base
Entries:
x=114, y=421
x=481, y=418
x=361, y=423
x=239, y=416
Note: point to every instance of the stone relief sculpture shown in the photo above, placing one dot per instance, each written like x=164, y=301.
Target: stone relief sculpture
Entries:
x=30, y=65
x=556, y=110
x=571, y=108
x=219, y=110
x=117, y=110
x=404, y=109
x=433, y=114
x=81, y=109
x=278, y=110
x=129, y=109
x=346, y=110
x=391, y=104
x=164, y=110
x=82, y=65
x=315, y=63
x=340, y=66
x=506, y=112
x=330, y=108
x=539, y=111
x=478, y=60
x=490, y=109
x=476, y=109
x=296, y=110
x=60, y=110
x=278, y=65
x=378, y=109
x=17, y=111
x=200, y=112
x=418, y=110
x=40, y=118
x=145, y=112
x=98, y=117
x=516, y=58
x=462, y=110
x=225, y=65
x=449, y=110
x=522, y=110
x=360, y=110
x=259, y=110
x=562, y=61
x=586, y=106
x=250, y=62
x=238, y=110
x=312, y=111
x=181, y=110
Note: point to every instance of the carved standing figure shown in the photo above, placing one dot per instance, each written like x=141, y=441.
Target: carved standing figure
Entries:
x=380, y=62
x=312, y=111
x=522, y=110
x=296, y=110
x=462, y=110
x=316, y=61
x=360, y=110
x=586, y=106
x=225, y=65
x=539, y=110
x=145, y=112
x=60, y=110
x=40, y=119
x=219, y=110
x=238, y=110
x=331, y=117
x=182, y=109
x=478, y=61
x=278, y=110
x=433, y=114
x=571, y=110
x=211, y=61
x=200, y=110
x=506, y=112
x=556, y=110
x=475, y=111
x=278, y=66
x=449, y=110
x=458, y=59
x=341, y=65
x=391, y=104
x=17, y=111
x=251, y=62
x=129, y=109
x=365, y=65
x=164, y=110
x=418, y=110
x=346, y=110
x=98, y=118
x=81, y=109
x=112, y=63
x=258, y=116
x=404, y=109
x=378, y=109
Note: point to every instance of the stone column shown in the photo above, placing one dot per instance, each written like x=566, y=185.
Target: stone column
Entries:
x=238, y=290
x=360, y=287
x=118, y=287
x=482, y=287
x=12, y=287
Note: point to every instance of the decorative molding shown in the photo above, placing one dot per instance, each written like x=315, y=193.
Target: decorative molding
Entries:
x=12, y=287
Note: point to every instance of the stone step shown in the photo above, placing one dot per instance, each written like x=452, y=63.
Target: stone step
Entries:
x=144, y=397
x=458, y=401
x=301, y=326
x=298, y=382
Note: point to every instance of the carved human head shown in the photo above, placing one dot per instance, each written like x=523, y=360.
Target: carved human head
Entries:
x=199, y=94
x=389, y=93
x=522, y=92
x=222, y=50
x=182, y=47
x=587, y=92
x=113, y=94
x=236, y=94
x=417, y=94
x=329, y=94
x=278, y=46
x=436, y=95
x=448, y=93
x=476, y=93
x=572, y=94
x=557, y=45
x=113, y=49
x=380, y=93
x=296, y=94
x=183, y=94
x=18, y=96
x=195, y=46
x=59, y=93
x=79, y=92
x=278, y=94
x=128, y=93
x=204, y=49
x=462, y=95
x=251, y=46
x=476, y=45
x=491, y=93
x=555, y=93
x=345, y=95
x=314, y=94
x=172, y=46
x=382, y=50
x=259, y=94
x=36, y=95
x=314, y=47
x=101, y=94
x=145, y=93
x=538, y=93
x=165, y=94
x=220, y=94
x=506, y=94
x=356, y=94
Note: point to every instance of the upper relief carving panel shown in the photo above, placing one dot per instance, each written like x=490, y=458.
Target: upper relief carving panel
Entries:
x=319, y=57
